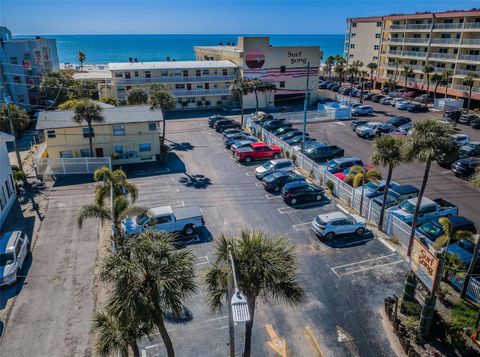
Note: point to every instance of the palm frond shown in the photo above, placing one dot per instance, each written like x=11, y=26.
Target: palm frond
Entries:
x=93, y=211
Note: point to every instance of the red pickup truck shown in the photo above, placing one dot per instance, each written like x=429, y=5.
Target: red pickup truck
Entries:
x=257, y=151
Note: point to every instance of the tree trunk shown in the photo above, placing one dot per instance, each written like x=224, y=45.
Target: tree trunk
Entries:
x=419, y=203
x=446, y=88
x=371, y=80
x=90, y=141
x=469, y=97
x=428, y=84
x=249, y=327
x=256, y=101
x=241, y=108
x=361, y=93
x=162, y=141
x=135, y=349
x=406, y=79
x=384, y=203
x=435, y=91
x=165, y=337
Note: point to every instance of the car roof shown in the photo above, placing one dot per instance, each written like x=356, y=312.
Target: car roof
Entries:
x=374, y=123
x=258, y=144
x=279, y=161
x=469, y=160
x=158, y=211
x=7, y=241
x=402, y=189
x=425, y=201
x=456, y=136
x=332, y=216
x=345, y=159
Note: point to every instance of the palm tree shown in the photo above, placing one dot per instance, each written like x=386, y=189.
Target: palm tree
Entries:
x=360, y=177
x=387, y=152
x=266, y=269
x=446, y=79
x=351, y=71
x=328, y=67
x=437, y=79
x=475, y=180
x=427, y=70
x=87, y=111
x=469, y=81
x=81, y=58
x=151, y=280
x=407, y=72
x=114, y=336
x=396, y=63
x=160, y=98
x=372, y=66
x=339, y=70
x=391, y=83
x=136, y=96
x=429, y=139
x=257, y=85
x=363, y=78
x=115, y=180
x=239, y=88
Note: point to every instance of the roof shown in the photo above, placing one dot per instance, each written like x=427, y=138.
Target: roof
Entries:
x=6, y=137
x=117, y=115
x=158, y=211
x=418, y=15
x=92, y=75
x=121, y=66
x=219, y=48
x=425, y=201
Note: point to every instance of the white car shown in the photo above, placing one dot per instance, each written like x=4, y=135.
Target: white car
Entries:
x=284, y=165
x=14, y=248
x=338, y=223
x=402, y=105
x=368, y=130
x=394, y=101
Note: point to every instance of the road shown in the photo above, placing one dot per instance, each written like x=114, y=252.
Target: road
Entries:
x=345, y=281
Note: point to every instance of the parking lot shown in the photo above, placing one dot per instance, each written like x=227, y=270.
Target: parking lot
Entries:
x=346, y=280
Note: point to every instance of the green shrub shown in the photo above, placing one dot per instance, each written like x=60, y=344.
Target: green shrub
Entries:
x=412, y=326
x=411, y=308
x=463, y=316
x=69, y=104
x=287, y=154
x=109, y=100
x=294, y=157
x=330, y=185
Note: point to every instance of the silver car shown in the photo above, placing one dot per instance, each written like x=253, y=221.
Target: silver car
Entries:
x=14, y=248
x=334, y=224
x=284, y=165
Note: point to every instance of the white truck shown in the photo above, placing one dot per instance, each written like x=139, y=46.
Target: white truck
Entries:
x=429, y=209
x=183, y=220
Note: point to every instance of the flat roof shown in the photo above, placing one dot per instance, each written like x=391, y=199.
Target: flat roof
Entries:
x=57, y=119
x=418, y=15
x=219, y=48
x=92, y=75
x=120, y=66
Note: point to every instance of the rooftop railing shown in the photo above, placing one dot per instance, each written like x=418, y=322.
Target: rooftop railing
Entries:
x=176, y=79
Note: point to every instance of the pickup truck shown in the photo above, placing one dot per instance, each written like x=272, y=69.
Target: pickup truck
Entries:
x=166, y=218
x=257, y=151
x=429, y=209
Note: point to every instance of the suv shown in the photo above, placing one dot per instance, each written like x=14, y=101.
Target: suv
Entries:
x=417, y=108
x=430, y=231
x=276, y=181
x=357, y=122
x=373, y=129
x=221, y=125
x=464, y=168
x=276, y=124
x=397, y=194
x=399, y=121
x=14, y=248
x=284, y=165
x=362, y=110
x=302, y=191
x=214, y=118
x=334, y=224
x=467, y=118
x=342, y=163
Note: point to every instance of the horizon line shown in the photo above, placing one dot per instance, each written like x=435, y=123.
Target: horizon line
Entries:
x=182, y=34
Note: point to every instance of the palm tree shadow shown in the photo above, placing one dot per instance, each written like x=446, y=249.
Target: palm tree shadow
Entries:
x=195, y=181
x=181, y=146
x=184, y=317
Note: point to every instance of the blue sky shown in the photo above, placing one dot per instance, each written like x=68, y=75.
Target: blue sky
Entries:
x=202, y=17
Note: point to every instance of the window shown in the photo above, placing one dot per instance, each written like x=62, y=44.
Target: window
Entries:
x=354, y=34
x=163, y=219
x=51, y=134
x=179, y=86
x=198, y=72
x=377, y=35
x=66, y=154
x=352, y=45
x=199, y=86
x=8, y=188
x=225, y=72
x=185, y=73
x=205, y=71
x=118, y=130
x=118, y=149
x=351, y=55
x=127, y=75
x=118, y=74
x=354, y=24
x=282, y=69
x=13, y=60
x=26, y=56
x=135, y=74
x=84, y=152
x=374, y=58
x=18, y=248
x=148, y=74
x=145, y=147
x=17, y=79
x=21, y=98
x=178, y=73
x=282, y=85
x=376, y=47
x=164, y=73
x=379, y=24
x=223, y=97
x=86, y=133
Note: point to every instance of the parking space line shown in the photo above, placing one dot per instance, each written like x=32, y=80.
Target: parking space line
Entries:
x=285, y=210
x=302, y=226
x=180, y=204
x=258, y=184
x=226, y=150
x=270, y=196
x=370, y=268
x=249, y=173
x=342, y=208
x=205, y=257
x=386, y=244
x=363, y=261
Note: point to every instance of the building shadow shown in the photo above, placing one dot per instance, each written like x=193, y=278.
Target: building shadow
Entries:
x=203, y=235
x=172, y=165
x=71, y=180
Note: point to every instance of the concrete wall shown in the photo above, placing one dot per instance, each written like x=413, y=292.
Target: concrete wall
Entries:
x=8, y=192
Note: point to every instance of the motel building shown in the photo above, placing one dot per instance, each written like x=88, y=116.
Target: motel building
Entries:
x=284, y=66
x=8, y=192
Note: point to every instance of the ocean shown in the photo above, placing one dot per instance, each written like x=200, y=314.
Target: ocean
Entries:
x=118, y=48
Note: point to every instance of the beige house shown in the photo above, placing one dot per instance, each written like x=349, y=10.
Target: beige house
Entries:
x=446, y=40
x=129, y=134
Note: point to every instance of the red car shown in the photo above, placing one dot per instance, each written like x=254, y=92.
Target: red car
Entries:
x=257, y=151
x=408, y=95
x=343, y=175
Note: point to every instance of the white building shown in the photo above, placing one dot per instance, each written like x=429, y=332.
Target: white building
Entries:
x=7, y=184
x=24, y=61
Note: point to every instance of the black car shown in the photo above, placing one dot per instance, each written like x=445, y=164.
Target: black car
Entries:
x=299, y=139
x=377, y=98
x=221, y=125
x=342, y=163
x=467, y=118
x=302, y=191
x=417, y=108
x=335, y=87
x=292, y=134
x=433, y=229
x=322, y=153
x=453, y=115
x=283, y=130
x=399, y=121
x=446, y=160
x=472, y=149
x=276, y=181
x=475, y=123
x=367, y=96
x=213, y=119
x=357, y=122
x=465, y=167
x=397, y=194
x=276, y=124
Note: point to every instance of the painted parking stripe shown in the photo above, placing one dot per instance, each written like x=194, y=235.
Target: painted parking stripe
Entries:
x=270, y=196
x=202, y=260
x=258, y=184
x=386, y=244
x=372, y=267
x=363, y=261
x=284, y=210
x=302, y=226
x=342, y=208
x=179, y=204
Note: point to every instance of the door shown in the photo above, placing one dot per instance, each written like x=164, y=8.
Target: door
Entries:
x=99, y=152
x=165, y=223
x=207, y=85
x=189, y=86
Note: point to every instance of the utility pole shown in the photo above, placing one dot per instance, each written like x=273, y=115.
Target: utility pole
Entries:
x=231, y=327
x=12, y=131
x=305, y=106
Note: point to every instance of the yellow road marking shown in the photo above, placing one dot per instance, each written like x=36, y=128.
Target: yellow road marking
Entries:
x=277, y=344
x=313, y=341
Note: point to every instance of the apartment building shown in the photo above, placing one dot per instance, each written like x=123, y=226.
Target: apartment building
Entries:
x=8, y=192
x=24, y=61
x=363, y=40
x=129, y=134
x=195, y=84
x=446, y=40
x=284, y=66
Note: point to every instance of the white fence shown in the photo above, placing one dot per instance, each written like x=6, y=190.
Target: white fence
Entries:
x=64, y=166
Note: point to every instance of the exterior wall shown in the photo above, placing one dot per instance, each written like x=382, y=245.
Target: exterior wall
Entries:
x=8, y=192
x=363, y=42
x=25, y=61
x=71, y=141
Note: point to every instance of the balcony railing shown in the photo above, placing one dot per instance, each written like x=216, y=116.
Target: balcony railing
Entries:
x=415, y=40
x=447, y=41
x=419, y=27
x=395, y=52
x=200, y=92
x=472, y=25
x=176, y=79
x=455, y=25
x=443, y=55
x=415, y=53
x=465, y=72
x=471, y=41
x=397, y=27
x=466, y=88
x=474, y=58
x=394, y=39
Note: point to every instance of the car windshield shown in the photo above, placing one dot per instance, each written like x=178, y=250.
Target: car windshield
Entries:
x=319, y=221
x=407, y=207
x=269, y=165
x=432, y=229
x=372, y=186
x=6, y=259
x=371, y=126
x=467, y=245
x=270, y=178
x=142, y=219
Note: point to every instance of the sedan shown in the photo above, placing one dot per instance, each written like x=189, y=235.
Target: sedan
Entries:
x=283, y=130
x=358, y=122
x=335, y=224
x=475, y=123
x=471, y=149
x=417, y=108
x=464, y=168
x=467, y=118
x=275, y=182
x=231, y=141
x=298, y=140
x=375, y=188
x=302, y=191
x=362, y=110
x=308, y=142
x=227, y=132
x=291, y=135
x=342, y=163
x=284, y=165
x=402, y=105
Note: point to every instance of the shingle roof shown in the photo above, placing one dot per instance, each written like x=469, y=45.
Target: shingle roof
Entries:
x=121, y=66
x=116, y=115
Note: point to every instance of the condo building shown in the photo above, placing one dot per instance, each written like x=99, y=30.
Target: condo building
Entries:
x=23, y=63
x=446, y=40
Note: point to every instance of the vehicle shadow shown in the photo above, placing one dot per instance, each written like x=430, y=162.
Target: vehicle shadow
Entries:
x=8, y=292
x=348, y=241
x=203, y=235
x=323, y=202
x=181, y=146
x=195, y=181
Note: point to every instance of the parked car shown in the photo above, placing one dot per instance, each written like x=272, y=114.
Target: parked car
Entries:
x=367, y=96
x=14, y=248
x=424, y=99
x=237, y=138
x=342, y=163
x=275, y=181
x=471, y=149
x=292, y=134
x=475, y=123
x=166, y=218
x=467, y=118
x=375, y=188
x=324, y=153
x=362, y=110
x=446, y=159
x=283, y=130
x=417, y=108
x=402, y=105
x=408, y=94
x=335, y=87
x=298, y=140
x=302, y=191
x=221, y=125
x=242, y=143
x=453, y=115
x=323, y=84
x=308, y=142
x=234, y=131
x=393, y=101
x=214, y=118
x=464, y=250
x=399, y=121
x=386, y=100
x=396, y=195
x=332, y=225
x=377, y=98
x=283, y=165
x=429, y=209
x=276, y=124
x=257, y=151
x=460, y=139
x=464, y=168
x=357, y=122
x=373, y=129
x=428, y=232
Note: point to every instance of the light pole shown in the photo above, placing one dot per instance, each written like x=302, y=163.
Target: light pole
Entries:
x=305, y=107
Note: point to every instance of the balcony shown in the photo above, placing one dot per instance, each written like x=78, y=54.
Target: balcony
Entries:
x=445, y=41
x=419, y=27
x=414, y=54
x=466, y=88
x=471, y=42
x=200, y=92
x=397, y=27
x=176, y=79
x=394, y=39
x=473, y=58
x=472, y=25
x=439, y=55
x=394, y=52
x=455, y=25
x=464, y=72
x=415, y=40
